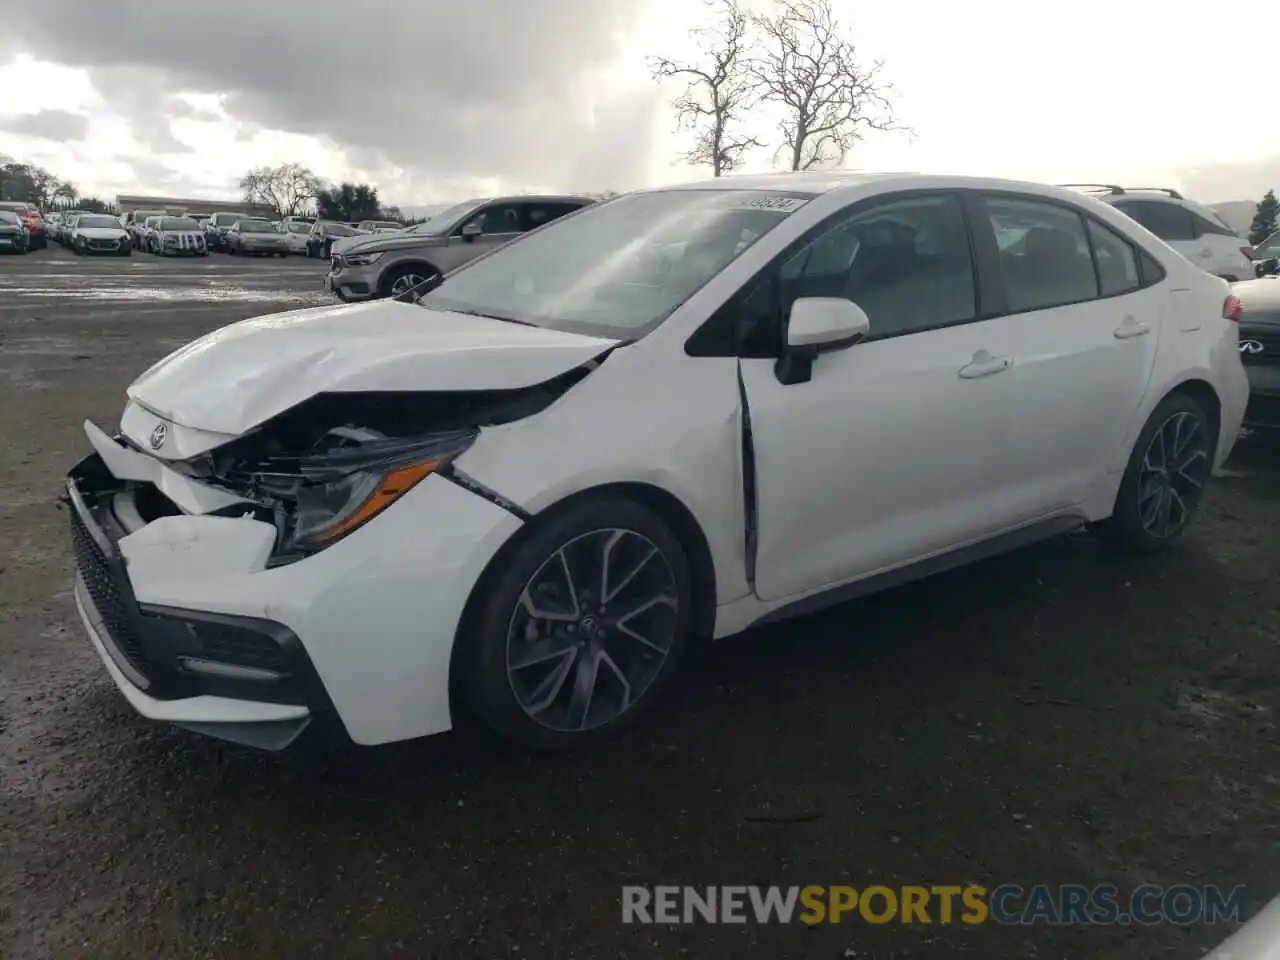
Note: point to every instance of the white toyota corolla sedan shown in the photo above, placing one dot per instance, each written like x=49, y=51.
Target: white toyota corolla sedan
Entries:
x=519, y=497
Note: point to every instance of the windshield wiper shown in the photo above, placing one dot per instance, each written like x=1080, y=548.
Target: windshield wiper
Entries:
x=421, y=290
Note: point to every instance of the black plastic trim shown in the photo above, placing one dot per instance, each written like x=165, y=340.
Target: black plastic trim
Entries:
x=472, y=485
x=750, y=502
x=1022, y=537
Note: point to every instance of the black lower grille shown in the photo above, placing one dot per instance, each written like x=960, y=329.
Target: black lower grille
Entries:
x=103, y=591
x=227, y=644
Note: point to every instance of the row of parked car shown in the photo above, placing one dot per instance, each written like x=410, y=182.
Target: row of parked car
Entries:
x=164, y=234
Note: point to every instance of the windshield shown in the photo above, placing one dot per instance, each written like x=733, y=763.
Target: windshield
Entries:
x=225, y=219
x=178, y=223
x=440, y=224
x=297, y=227
x=9, y=217
x=257, y=226
x=619, y=269
x=379, y=225
x=97, y=220
x=340, y=230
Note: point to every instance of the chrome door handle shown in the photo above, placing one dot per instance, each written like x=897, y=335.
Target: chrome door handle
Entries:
x=984, y=364
x=1130, y=328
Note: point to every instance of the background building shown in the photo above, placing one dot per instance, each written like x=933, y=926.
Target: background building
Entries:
x=180, y=205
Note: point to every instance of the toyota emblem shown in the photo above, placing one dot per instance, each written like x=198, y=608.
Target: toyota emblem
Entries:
x=1251, y=347
x=158, y=436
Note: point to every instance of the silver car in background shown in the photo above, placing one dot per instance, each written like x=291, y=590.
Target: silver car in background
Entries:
x=178, y=237
x=89, y=233
x=255, y=238
x=379, y=226
x=135, y=222
x=389, y=264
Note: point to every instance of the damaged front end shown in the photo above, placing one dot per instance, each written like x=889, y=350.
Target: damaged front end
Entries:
x=144, y=530
x=323, y=469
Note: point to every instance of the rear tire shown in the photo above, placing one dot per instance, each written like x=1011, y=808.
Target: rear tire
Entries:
x=580, y=625
x=1164, y=481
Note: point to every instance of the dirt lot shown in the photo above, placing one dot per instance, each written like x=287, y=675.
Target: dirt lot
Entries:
x=1057, y=716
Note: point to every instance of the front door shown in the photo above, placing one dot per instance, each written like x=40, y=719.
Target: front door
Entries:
x=887, y=454
x=498, y=222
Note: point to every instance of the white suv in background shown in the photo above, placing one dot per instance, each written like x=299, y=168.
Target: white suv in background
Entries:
x=1194, y=230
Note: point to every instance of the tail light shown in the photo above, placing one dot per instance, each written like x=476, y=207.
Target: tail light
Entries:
x=1249, y=253
x=1232, y=309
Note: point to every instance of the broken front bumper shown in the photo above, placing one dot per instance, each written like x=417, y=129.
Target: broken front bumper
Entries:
x=198, y=630
x=243, y=679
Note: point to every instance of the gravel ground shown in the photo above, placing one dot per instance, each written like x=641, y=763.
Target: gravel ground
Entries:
x=1055, y=716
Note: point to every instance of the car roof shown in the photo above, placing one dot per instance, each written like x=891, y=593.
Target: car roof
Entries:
x=817, y=183
x=538, y=198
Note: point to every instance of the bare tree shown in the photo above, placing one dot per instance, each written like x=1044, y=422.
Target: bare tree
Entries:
x=32, y=184
x=286, y=189
x=809, y=68
x=718, y=88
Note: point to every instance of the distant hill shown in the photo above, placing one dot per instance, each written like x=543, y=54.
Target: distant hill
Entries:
x=1238, y=214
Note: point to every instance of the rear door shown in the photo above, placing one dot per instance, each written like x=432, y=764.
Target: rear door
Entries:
x=1080, y=329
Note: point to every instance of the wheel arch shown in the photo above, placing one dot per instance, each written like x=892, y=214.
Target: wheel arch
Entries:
x=670, y=508
x=1202, y=392
x=394, y=268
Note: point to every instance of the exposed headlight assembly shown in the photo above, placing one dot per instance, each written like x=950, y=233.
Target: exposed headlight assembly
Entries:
x=341, y=489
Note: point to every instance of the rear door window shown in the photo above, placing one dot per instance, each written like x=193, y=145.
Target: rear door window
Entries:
x=536, y=214
x=1045, y=257
x=1117, y=262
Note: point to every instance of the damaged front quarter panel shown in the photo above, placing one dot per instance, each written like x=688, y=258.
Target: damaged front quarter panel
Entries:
x=323, y=468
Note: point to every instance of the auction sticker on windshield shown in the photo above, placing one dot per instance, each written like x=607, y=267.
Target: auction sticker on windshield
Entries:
x=780, y=204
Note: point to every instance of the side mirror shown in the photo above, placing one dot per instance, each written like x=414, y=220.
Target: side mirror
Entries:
x=818, y=325
x=471, y=231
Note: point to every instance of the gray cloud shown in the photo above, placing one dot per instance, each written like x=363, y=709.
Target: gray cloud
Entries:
x=177, y=109
x=48, y=125
x=448, y=91
x=139, y=93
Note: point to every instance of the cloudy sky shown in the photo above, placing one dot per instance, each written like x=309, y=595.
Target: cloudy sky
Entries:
x=433, y=100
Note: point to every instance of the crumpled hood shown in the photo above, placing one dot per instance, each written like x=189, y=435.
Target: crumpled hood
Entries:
x=242, y=375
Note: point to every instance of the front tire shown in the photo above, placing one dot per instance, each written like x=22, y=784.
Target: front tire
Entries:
x=1164, y=480
x=581, y=624
x=403, y=279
